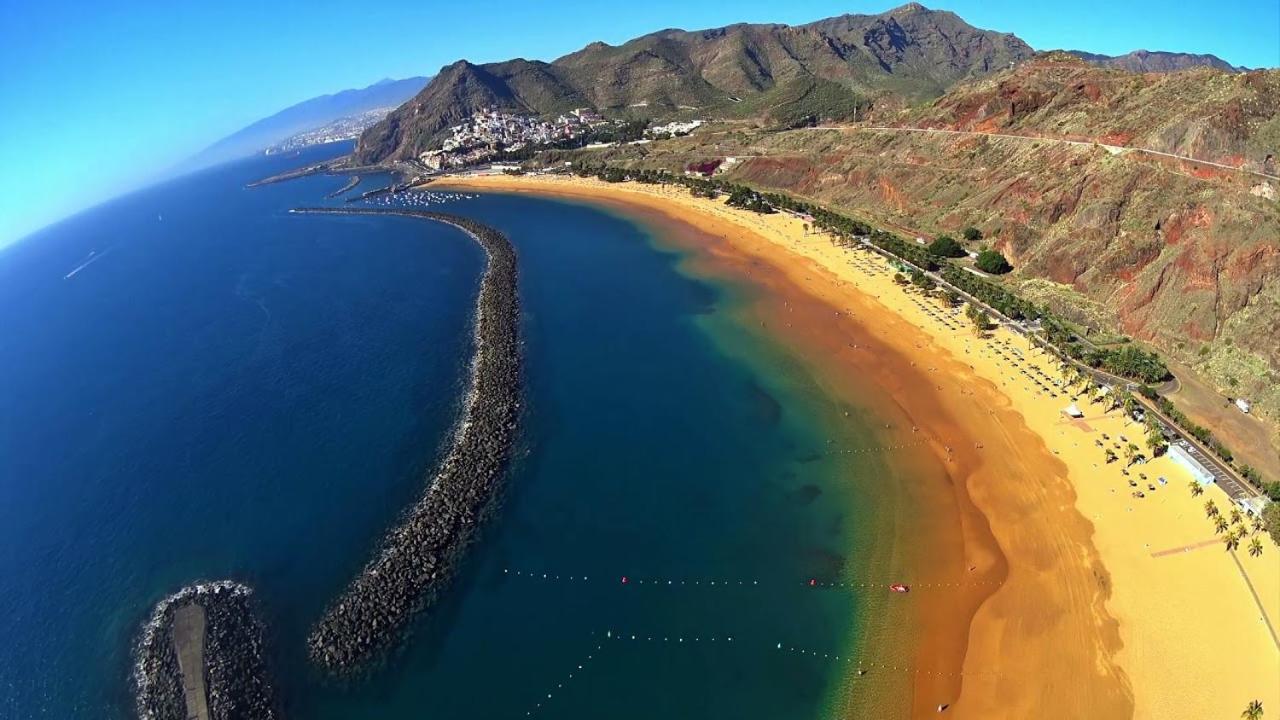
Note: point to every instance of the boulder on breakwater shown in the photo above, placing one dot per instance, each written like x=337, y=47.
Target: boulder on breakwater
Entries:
x=419, y=554
x=235, y=681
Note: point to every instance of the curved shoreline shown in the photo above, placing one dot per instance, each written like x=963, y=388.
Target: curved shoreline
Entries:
x=420, y=553
x=967, y=656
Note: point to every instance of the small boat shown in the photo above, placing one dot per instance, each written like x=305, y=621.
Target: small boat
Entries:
x=899, y=588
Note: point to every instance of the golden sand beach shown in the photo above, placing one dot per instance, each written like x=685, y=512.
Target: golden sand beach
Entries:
x=1109, y=605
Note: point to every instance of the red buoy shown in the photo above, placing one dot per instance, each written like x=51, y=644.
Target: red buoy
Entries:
x=624, y=579
x=813, y=582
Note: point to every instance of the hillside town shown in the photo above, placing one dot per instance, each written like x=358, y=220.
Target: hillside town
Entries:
x=493, y=135
x=344, y=128
x=490, y=132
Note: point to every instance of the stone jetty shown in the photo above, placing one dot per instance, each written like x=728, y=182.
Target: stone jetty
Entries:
x=418, y=556
x=352, y=182
x=201, y=655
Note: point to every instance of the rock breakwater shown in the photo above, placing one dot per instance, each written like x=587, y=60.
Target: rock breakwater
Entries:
x=235, y=678
x=418, y=555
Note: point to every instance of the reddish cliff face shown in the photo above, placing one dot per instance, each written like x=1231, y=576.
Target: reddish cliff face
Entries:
x=1183, y=255
x=1202, y=113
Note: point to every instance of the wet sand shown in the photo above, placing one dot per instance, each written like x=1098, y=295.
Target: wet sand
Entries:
x=1067, y=601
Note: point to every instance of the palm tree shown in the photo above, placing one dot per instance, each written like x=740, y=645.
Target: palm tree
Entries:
x=1211, y=509
x=1231, y=540
x=1129, y=405
x=1258, y=524
x=1131, y=454
x=1255, y=546
x=1220, y=526
x=1155, y=442
x=1111, y=456
x=1253, y=711
x=1196, y=489
x=1113, y=401
x=1236, y=517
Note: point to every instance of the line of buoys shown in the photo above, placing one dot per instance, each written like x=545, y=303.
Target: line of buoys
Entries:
x=619, y=638
x=878, y=448
x=622, y=638
x=721, y=583
x=866, y=666
x=575, y=672
x=669, y=638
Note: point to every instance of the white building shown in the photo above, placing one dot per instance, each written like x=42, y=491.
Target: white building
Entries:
x=1252, y=506
x=1178, y=452
x=675, y=128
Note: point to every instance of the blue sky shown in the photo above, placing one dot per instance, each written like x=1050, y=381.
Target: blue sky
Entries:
x=97, y=97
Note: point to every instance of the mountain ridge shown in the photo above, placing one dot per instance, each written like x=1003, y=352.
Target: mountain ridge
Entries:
x=306, y=115
x=1157, y=61
x=909, y=51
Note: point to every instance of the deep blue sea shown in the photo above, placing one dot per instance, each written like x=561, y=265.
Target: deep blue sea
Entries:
x=195, y=384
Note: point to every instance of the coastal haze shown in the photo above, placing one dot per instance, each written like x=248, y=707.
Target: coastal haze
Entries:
x=890, y=364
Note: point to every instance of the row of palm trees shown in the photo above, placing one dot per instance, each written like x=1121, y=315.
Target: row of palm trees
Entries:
x=1232, y=527
x=1077, y=380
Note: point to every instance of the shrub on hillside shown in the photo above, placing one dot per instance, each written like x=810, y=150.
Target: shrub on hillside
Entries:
x=993, y=262
x=946, y=246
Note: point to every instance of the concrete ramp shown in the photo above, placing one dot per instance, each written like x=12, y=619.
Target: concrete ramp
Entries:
x=188, y=642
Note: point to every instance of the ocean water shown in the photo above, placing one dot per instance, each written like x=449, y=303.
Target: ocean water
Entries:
x=195, y=384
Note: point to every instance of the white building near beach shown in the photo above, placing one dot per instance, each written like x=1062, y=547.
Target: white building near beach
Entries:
x=1179, y=454
x=1252, y=506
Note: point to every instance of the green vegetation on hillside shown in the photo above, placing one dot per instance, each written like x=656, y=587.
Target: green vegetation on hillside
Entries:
x=801, y=102
x=946, y=246
x=993, y=262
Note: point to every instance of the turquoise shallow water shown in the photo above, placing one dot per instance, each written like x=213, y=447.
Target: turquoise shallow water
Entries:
x=231, y=391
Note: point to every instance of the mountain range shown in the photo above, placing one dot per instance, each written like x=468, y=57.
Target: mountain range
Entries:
x=1037, y=149
x=825, y=70
x=1157, y=61
x=910, y=52
x=307, y=116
